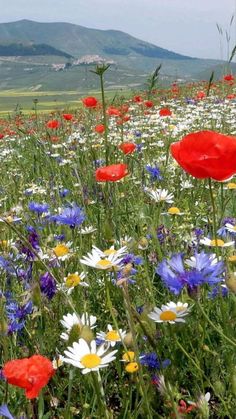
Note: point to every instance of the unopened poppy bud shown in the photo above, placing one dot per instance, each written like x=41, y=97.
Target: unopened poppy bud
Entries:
x=128, y=340
x=231, y=283
x=87, y=334
x=74, y=334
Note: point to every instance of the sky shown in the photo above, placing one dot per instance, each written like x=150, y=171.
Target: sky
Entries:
x=184, y=26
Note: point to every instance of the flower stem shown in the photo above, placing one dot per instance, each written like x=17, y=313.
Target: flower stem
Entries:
x=214, y=224
x=98, y=387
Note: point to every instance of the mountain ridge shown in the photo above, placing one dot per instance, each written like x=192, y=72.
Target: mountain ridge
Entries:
x=78, y=40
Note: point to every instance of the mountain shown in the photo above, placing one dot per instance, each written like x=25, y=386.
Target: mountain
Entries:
x=78, y=40
x=44, y=60
x=20, y=49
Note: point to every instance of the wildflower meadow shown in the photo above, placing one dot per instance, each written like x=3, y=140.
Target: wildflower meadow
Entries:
x=117, y=256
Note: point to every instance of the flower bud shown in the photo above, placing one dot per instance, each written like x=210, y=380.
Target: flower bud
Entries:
x=87, y=334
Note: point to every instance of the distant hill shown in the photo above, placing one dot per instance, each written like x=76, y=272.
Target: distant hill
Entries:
x=78, y=40
x=20, y=49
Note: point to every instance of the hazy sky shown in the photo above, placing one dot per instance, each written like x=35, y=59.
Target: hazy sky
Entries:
x=184, y=26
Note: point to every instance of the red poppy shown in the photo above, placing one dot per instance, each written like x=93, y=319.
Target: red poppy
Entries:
x=32, y=374
x=200, y=95
x=111, y=173
x=90, y=102
x=67, y=116
x=53, y=124
x=100, y=128
x=229, y=77
x=1, y=136
x=137, y=99
x=112, y=111
x=148, y=103
x=165, y=112
x=206, y=154
x=127, y=148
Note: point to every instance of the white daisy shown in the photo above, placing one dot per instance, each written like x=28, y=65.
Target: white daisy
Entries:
x=169, y=313
x=87, y=230
x=88, y=357
x=173, y=211
x=71, y=320
x=63, y=251
x=71, y=281
x=160, y=195
x=112, y=336
x=108, y=259
x=213, y=243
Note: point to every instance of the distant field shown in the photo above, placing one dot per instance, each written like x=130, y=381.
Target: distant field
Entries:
x=19, y=100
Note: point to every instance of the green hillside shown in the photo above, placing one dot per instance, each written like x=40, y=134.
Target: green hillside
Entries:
x=20, y=49
x=78, y=40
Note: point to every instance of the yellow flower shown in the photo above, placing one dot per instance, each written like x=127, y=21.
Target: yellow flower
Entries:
x=131, y=367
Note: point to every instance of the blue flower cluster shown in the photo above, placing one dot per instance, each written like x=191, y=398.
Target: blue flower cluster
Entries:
x=205, y=270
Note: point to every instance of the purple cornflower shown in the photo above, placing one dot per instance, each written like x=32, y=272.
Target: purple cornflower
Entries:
x=16, y=315
x=218, y=290
x=152, y=361
x=47, y=285
x=154, y=172
x=72, y=216
x=37, y=207
x=64, y=192
x=4, y=411
x=205, y=270
x=162, y=233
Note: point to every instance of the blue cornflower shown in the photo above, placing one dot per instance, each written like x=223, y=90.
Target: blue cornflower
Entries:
x=162, y=233
x=4, y=411
x=6, y=266
x=154, y=172
x=16, y=315
x=48, y=285
x=37, y=207
x=152, y=361
x=72, y=216
x=64, y=192
x=205, y=270
x=218, y=290
x=60, y=237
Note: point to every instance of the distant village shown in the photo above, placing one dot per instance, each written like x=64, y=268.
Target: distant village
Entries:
x=85, y=60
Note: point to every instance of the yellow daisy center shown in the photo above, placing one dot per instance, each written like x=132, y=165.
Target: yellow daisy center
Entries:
x=104, y=264
x=9, y=219
x=128, y=356
x=173, y=210
x=112, y=335
x=168, y=315
x=109, y=252
x=72, y=280
x=61, y=250
x=234, y=228
x=231, y=185
x=131, y=367
x=90, y=361
x=217, y=242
